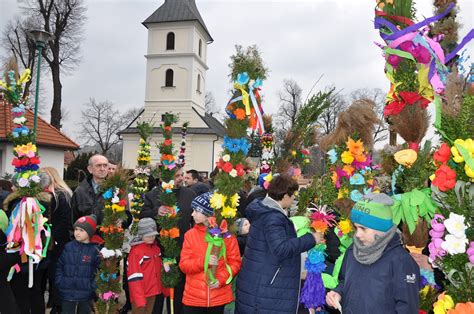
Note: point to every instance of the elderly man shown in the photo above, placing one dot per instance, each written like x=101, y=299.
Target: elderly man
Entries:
x=87, y=198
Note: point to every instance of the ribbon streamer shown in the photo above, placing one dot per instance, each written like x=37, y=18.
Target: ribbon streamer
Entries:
x=218, y=242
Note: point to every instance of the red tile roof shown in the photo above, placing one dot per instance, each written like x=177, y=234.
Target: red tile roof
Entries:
x=47, y=134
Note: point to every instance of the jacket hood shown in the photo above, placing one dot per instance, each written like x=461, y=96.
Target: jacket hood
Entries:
x=261, y=207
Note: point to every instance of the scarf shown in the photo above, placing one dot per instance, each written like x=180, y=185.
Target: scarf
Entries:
x=370, y=254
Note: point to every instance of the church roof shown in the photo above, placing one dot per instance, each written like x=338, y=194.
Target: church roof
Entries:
x=177, y=11
x=214, y=126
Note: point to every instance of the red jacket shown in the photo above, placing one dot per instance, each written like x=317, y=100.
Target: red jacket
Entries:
x=196, y=291
x=144, y=272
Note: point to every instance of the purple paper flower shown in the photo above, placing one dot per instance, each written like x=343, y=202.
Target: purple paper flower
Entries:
x=407, y=46
x=394, y=60
x=421, y=54
x=435, y=249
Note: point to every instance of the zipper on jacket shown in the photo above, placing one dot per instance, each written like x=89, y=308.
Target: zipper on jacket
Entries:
x=274, y=276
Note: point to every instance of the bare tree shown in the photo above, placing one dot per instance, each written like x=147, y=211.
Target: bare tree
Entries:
x=290, y=102
x=328, y=118
x=378, y=97
x=100, y=124
x=64, y=19
x=18, y=45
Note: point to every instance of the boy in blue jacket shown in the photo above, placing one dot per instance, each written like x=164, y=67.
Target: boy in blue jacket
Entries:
x=377, y=275
x=76, y=269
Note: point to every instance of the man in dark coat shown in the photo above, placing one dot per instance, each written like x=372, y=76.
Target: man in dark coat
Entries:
x=87, y=198
x=269, y=280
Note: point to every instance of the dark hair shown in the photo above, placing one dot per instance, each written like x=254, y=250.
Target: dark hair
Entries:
x=113, y=162
x=281, y=185
x=5, y=185
x=194, y=174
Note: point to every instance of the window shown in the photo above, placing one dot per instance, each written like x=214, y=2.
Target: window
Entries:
x=170, y=41
x=200, y=47
x=199, y=83
x=169, y=78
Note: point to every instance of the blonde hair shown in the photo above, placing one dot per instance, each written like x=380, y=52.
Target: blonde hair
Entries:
x=57, y=184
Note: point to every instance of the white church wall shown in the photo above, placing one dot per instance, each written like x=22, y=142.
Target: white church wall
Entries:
x=157, y=37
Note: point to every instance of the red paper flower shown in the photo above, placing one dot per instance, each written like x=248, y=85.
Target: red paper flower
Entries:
x=167, y=142
x=35, y=160
x=122, y=203
x=443, y=154
x=445, y=178
x=240, y=170
x=403, y=99
x=220, y=164
x=227, y=167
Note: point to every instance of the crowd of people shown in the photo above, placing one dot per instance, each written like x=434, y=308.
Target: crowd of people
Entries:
x=258, y=272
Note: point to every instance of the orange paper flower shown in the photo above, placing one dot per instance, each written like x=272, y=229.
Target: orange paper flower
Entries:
x=462, y=308
x=240, y=113
x=167, y=157
x=356, y=148
x=348, y=169
x=170, y=233
x=319, y=226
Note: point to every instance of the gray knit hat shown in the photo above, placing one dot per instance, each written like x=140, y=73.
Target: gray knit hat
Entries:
x=147, y=227
x=239, y=223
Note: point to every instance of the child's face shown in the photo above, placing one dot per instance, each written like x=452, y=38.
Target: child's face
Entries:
x=198, y=217
x=245, y=227
x=81, y=235
x=149, y=239
x=366, y=235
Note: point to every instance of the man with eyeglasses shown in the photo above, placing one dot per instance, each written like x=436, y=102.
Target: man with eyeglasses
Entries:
x=87, y=198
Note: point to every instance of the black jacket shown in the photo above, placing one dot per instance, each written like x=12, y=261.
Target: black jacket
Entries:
x=269, y=280
x=61, y=221
x=184, y=197
x=7, y=260
x=86, y=202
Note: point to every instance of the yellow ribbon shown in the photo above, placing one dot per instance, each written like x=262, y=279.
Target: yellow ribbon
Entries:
x=245, y=97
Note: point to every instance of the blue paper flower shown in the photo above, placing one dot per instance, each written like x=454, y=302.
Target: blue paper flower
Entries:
x=242, y=78
x=236, y=145
x=356, y=195
x=108, y=194
x=357, y=179
x=332, y=154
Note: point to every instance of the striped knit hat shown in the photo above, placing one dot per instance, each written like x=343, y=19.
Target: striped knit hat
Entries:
x=374, y=212
x=88, y=223
x=202, y=204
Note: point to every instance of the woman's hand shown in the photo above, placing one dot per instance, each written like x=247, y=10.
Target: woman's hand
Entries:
x=318, y=237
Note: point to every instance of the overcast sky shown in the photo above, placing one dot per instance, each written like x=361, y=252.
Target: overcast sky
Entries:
x=298, y=39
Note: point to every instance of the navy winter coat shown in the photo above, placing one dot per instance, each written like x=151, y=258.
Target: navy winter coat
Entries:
x=269, y=280
x=75, y=272
x=390, y=285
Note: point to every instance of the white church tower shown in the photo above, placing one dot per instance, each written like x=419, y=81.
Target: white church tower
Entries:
x=176, y=82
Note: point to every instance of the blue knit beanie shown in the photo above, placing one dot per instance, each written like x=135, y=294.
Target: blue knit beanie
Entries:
x=202, y=204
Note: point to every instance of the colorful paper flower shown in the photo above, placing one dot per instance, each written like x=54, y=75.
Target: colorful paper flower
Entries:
x=462, y=308
x=226, y=157
x=243, y=78
x=345, y=226
x=357, y=179
x=356, y=195
x=445, y=178
x=435, y=249
x=470, y=252
x=454, y=245
x=229, y=212
x=444, y=303
x=356, y=148
x=406, y=157
x=347, y=157
x=455, y=225
x=234, y=200
x=332, y=154
x=443, y=154
x=217, y=200
x=240, y=114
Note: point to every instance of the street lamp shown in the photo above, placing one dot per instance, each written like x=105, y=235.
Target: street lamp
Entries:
x=40, y=38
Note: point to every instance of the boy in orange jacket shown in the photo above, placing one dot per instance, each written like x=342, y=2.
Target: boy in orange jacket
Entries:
x=144, y=268
x=201, y=294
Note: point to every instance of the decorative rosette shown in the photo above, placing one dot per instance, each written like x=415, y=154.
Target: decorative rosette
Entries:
x=108, y=277
x=141, y=172
x=244, y=111
x=267, y=161
x=168, y=223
